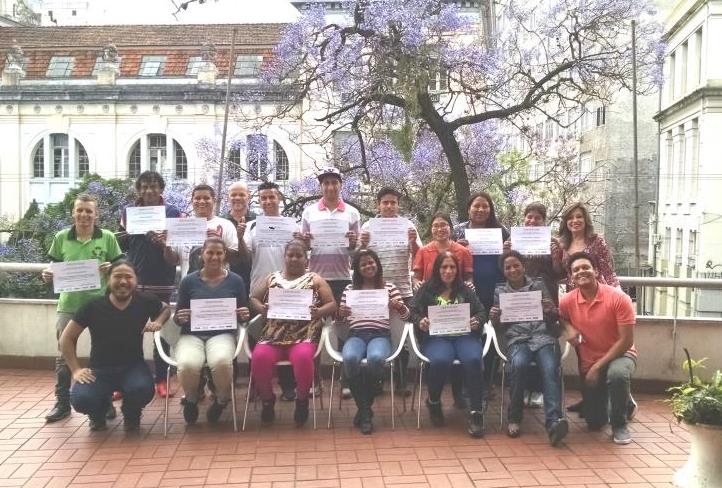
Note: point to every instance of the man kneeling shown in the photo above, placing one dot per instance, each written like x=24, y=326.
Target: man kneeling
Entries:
x=531, y=340
x=116, y=323
x=599, y=320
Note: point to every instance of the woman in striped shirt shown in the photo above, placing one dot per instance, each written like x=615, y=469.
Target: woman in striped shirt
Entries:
x=368, y=338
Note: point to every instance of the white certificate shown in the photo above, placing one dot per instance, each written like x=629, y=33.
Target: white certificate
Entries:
x=523, y=306
x=289, y=304
x=329, y=233
x=140, y=220
x=531, y=240
x=389, y=232
x=368, y=304
x=76, y=275
x=274, y=231
x=449, y=319
x=190, y=231
x=213, y=314
x=484, y=241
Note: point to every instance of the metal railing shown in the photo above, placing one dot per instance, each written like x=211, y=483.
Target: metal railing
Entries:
x=642, y=284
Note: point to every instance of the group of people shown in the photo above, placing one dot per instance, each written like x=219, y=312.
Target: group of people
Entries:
x=138, y=277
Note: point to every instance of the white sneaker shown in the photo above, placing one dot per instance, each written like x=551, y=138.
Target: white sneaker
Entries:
x=536, y=400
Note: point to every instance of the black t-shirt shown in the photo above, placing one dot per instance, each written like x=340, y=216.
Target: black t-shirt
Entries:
x=116, y=336
x=147, y=257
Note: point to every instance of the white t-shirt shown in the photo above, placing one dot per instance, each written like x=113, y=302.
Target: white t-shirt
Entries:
x=396, y=262
x=265, y=259
x=223, y=227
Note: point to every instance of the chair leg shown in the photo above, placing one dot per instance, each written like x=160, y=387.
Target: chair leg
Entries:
x=413, y=394
x=248, y=397
x=233, y=405
x=313, y=399
x=501, y=405
x=418, y=412
x=330, y=397
x=167, y=395
x=402, y=381
x=561, y=382
x=393, y=408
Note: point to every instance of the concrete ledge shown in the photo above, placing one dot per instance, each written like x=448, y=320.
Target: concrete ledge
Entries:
x=27, y=328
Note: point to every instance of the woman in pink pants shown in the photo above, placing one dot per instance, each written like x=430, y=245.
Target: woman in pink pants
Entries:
x=292, y=340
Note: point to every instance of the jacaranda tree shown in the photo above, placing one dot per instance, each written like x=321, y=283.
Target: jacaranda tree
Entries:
x=404, y=70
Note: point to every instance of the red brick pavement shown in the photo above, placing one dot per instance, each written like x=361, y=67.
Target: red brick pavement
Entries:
x=34, y=454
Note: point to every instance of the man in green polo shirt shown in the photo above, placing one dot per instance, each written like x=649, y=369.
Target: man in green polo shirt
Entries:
x=80, y=242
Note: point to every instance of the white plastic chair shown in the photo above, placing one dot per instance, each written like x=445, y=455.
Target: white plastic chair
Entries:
x=249, y=353
x=503, y=376
x=172, y=362
x=397, y=343
x=490, y=337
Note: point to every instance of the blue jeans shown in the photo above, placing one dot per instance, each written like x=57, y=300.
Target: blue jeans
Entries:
x=548, y=360
x=441, y=351
x=133, y=380
x=372, y=345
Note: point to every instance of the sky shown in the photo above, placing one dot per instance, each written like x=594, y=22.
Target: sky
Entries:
x=101, y=12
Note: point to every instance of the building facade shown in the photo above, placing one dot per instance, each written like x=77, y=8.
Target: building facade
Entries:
x=117, y=100
x=688, y=225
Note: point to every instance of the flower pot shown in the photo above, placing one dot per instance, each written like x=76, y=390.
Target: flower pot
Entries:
x=703, y=468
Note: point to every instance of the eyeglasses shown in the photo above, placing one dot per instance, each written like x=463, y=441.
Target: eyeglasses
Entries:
x=440, y=226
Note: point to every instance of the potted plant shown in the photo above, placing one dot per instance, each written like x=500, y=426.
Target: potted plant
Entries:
x=698, y=404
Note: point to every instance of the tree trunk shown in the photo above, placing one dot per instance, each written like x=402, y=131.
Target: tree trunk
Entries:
x=459, y=177
x=451, y=149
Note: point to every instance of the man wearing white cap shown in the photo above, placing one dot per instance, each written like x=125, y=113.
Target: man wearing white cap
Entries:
x=331, y=262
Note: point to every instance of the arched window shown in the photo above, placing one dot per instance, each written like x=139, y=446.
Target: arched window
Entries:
x=281, y=162
x=151, y=152
x=65, y=153
x=39, y=160
x=234, y=166
x=134, y=161
x=257, y=156
x=181, y=162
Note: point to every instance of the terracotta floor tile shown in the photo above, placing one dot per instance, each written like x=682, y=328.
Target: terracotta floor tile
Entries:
x=67, y=454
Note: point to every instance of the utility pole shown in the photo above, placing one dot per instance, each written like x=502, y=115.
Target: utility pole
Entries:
x=231, y=68
x=635, y=157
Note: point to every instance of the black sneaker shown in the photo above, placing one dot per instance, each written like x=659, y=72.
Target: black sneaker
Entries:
x=190, y=412
x=366, y=426
x=300, y=415
x=60, y=411
x=576, y=407
x=111, y=413
x=476, y=424
x=557, y=431
x=632, y=408
x=268, y=414
x=97, y=424
x=214, y=411
x=131, y=424
x=288, y=394
x=435, y=413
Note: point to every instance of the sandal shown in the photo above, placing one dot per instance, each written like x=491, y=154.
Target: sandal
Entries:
x=513, y=430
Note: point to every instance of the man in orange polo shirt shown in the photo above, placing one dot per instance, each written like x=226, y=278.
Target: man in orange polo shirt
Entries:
x=599, y=320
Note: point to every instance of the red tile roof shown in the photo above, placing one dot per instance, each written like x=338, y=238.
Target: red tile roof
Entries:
x=177, y=42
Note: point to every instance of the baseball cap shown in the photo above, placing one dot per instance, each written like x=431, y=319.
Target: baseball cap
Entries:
x=329, y=171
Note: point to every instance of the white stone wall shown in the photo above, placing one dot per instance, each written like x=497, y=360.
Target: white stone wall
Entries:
x=690, y=148
x=108, y=133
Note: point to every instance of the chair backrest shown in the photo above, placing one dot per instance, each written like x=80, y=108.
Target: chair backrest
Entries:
x=341, y=330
